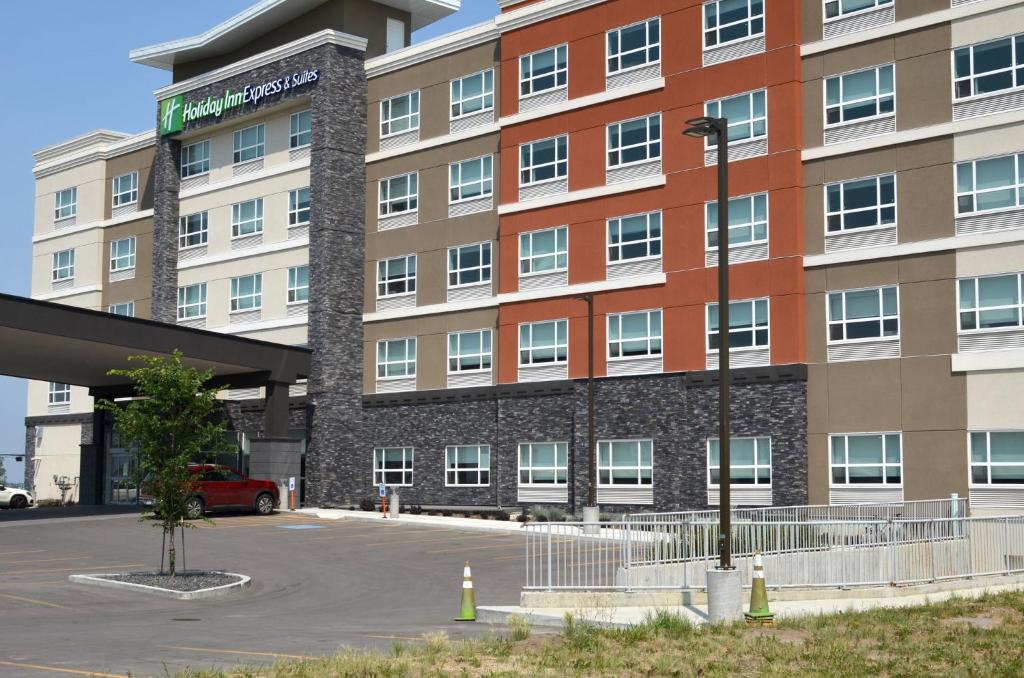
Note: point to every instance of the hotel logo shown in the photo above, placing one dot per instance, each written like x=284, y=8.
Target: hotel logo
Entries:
x=172, y=115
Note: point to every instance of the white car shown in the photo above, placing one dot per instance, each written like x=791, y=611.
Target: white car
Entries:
x=15, y=498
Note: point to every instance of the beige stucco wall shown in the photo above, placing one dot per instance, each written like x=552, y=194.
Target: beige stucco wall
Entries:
x=57, y=453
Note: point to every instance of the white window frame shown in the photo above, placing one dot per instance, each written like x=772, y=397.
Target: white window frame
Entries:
x=296, y=132
x=184, y=235
x=843, y=15
x=713, y=443
x=653, y=340
x=529, y=80
x=238, y=223
x=119, y=196
x=846, y=465
x=882, y=316
x=711, y=212
x=258, y=148
x=1018, y=78
x=294, y=288
x=615, y=243
x=255, y=297
x=407, y=280
x=203, y=161
x=451, y=472
x=456, y=185
x=559, y=347
x=63, y=270
x=987, y=464
x=560, y=469
x=128, y=306
x=405, y=472
x=65, y=203
x=651, y=144
x=528, y=260
x=295, y=208
x=639, y=468
x=485, y=356
x=878, y=207
x=713, y=109
x=486, y=95
x=647, y=49
x=409, y=365
x=558, y=164
x=750, y=19
x=484, y=269
x=878, y=97
x=412, y=196
x=1017, y=187
x=185, y=307
x=122, y=261
x=977, y=309
x=754, y=328
x=412, y=117
x=58, y=393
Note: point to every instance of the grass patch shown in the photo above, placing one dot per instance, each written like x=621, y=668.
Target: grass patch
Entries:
x=979, y=637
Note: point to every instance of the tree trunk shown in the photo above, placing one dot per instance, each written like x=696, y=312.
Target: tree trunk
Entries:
x=170, y=551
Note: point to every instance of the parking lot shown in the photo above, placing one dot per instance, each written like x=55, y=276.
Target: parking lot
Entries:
x=328, y=585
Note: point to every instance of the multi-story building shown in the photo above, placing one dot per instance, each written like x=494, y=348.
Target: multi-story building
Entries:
x=433, y=221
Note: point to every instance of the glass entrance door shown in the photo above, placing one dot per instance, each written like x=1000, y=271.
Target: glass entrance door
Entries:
x=121, y=487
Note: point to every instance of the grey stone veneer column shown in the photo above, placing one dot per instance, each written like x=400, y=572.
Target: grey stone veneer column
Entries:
x=166, y=180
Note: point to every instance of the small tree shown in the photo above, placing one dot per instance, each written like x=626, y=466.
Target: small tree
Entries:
x=171, y=423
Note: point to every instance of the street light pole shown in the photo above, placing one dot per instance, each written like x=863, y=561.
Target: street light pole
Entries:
x=591, y=513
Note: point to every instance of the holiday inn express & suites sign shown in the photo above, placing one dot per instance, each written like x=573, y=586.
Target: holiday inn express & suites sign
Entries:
x=175, y=111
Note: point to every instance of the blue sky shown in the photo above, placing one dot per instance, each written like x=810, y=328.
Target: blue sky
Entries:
x=67, y=72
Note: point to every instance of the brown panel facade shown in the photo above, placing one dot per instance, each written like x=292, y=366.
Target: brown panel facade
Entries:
x=139, y=288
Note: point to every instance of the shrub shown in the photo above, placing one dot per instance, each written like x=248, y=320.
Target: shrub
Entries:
x=502, y=515
x=368, y=503
x=416, y=509
x=539, y=513
x=557, y=515
x=519, y=627
x=524, y=516
x=446, y=514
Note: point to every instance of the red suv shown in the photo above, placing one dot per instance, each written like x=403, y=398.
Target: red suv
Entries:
x=221, y=488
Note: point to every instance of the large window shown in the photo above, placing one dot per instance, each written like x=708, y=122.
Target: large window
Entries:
x=247, y=292
x=625, y=462
x=991, y=302
x=247, y=218
x=862, y=203
x=634, y=46
x=863, y=314
x=125, y=189
x=393, y=466
x=634, y=335
x=122, y=254
x=472, y=94
x=835, y=9
x=192, y=230
x=990, y=184
x=634, y=237
x=543, y=464
x=65, y=204
x=750, y=461
x=748, y=220
x=126, y=309
x=544, y=70
x=396, y=358
x=298, y=206
x=195, y=159
x=469, y=264
x=997, y=457
x=543, y=343
x=298, y=284
x=470, y=179
x=399, y=194
x=400, y=114
x=58, y=394
x=467, y=465
x=543, y=160
x=469, y=351
x=866, y=458
x=300, y=129
x=728, y=21
x=63, y=265
x=988, y=67
x=192, y=301
x=747, y=114
x=544, y=251
x=396, y=276
x=863, y=94
x=248, y=143
x=748, y=325
x=634, y=141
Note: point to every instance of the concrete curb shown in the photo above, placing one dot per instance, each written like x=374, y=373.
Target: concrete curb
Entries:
x=510, y=526
x=102, y=581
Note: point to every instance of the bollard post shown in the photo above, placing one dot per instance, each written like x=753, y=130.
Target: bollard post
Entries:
x=394, y=503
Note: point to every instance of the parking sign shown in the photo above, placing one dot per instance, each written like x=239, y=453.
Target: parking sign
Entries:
x=383, y=490
x=291, y=484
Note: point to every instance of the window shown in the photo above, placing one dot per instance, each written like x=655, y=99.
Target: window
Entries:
x=990, y=184
x=988, y=67
x=392, y=466
x=750, y=461
x=997, y=457
x=400, y=114
x=866, y=458
x=625, y=462
x=472, y=94
x=247, y=218
x=467, y=465
x=126, y=309
x=298, y=284
x=634, y=141
x=247, y=292
x=396, y=276
x=991, y=302
x=469, y=264
x=634, y=237
x=248, y=143
x=863, y=314
x=125, y=189
x=192, y=230
x=634, y=46
x=63, y=265
x=65, y=204
x=469, y=351
x=122, y=254
x=59, y=394
x=748, y=220
x=727, y=21
x=396, y=358
x=747, y=114
x=748, y=324
x=192, y=301
x=634, y=335
x=300, y=129
x=543, y=70
x=544, y=251
x=399, y=194
x=545, y=160
x=835, y=9
x=543, y=463
x=863, y=94
x=862, y=203
x=470, y=179
x=298, y=206
x=395, y=37
x=543, y=343
x=195, y=159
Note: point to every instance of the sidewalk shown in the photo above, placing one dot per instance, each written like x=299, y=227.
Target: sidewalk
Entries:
x=410, y=519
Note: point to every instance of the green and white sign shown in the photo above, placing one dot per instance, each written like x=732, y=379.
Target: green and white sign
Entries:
x=172, y=115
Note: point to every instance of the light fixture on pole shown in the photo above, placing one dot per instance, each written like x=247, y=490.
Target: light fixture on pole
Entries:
x=591, y=513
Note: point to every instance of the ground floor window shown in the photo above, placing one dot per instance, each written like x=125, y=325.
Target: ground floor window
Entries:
x=392, y=466
x=625, y=462
x=750, y=461
x=997, y=457
x=468, y=465
x=543, y=463
x=866, y=458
